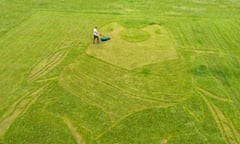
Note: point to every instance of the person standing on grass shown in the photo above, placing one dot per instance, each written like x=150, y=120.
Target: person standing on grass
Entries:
x=95, y=35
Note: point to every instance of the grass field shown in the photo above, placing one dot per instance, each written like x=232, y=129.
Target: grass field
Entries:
x=170, y=73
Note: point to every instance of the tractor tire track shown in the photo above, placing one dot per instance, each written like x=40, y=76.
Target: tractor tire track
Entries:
x=18, y=108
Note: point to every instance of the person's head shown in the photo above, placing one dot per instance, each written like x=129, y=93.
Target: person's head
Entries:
x=95, y=27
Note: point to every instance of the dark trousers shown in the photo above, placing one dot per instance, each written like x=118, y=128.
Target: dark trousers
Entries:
x=95, y=38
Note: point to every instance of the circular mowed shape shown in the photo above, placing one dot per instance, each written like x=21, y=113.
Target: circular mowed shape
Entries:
x=132, y=48
x=134, y=35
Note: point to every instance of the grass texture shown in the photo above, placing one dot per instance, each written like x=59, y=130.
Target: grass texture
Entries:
x=169, y=74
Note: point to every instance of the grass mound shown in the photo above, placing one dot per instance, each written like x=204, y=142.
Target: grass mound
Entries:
x=134, y=35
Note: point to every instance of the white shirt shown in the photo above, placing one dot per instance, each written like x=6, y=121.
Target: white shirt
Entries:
x=95, y=32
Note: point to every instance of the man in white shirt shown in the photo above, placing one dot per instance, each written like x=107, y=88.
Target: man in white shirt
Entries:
x=95, y=35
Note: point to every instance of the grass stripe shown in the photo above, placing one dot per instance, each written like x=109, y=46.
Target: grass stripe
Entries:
x=74, y=131
x=17, y=109
x=229, y=132
x=47, y=64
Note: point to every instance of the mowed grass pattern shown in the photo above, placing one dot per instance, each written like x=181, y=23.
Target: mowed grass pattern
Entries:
x=150, y=44
x=119, y=92
x=19, y=48
x=176, y=81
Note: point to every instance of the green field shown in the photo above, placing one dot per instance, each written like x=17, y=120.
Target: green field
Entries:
x=169, y=75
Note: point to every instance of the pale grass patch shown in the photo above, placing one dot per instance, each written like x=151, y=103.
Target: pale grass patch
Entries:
x=130, y=54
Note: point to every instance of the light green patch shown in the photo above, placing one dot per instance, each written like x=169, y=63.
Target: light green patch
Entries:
x=134, y=35
x=131, y=48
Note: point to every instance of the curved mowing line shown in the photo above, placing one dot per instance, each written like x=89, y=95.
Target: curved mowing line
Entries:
x=77, y=79
x=227, y=129
x=132, y=94
x=213, y=96
x=86, y=88
x=107, y=78
x=47, y=64
x=80, y=77
x=72, y=91
x=107, y=104
x=102, y=66
x=124, y=91
x=192, y=114
x=89, y=59
x=50, y=64
x=121, y=119
x=74, y=131
x=204, y=52
x=48, y=79
x=18, y=108
x=86, y=59
x=11, y=109
x=70, y=85
x=224, y=89
x=44, y=65
x=89, y=91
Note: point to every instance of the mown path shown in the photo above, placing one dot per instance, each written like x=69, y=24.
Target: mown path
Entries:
x=18, y=108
